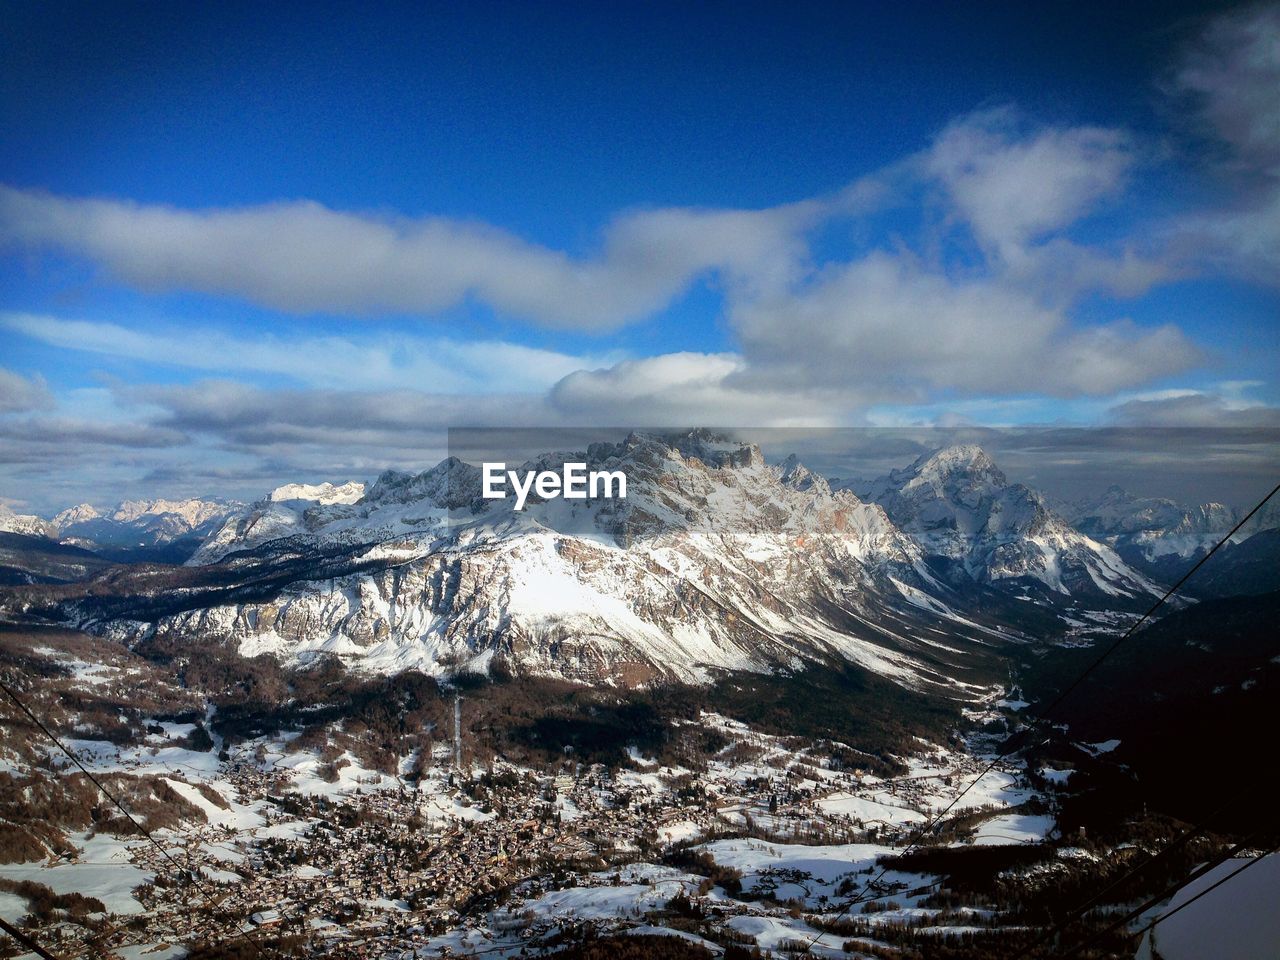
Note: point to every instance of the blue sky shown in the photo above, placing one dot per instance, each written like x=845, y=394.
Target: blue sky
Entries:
x=241, y=244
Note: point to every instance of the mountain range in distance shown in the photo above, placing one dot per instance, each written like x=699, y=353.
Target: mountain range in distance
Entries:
x=716, y=561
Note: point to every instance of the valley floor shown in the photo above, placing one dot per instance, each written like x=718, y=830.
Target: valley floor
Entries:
x=765, y=847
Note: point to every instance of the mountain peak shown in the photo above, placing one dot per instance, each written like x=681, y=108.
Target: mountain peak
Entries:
x=962, y=458
x=794, y=474
x=194, y=511
x=450, y=483
x=325, y=492
x=24, y=523
x=714, y=449
x=80, y=513
x=945, y=470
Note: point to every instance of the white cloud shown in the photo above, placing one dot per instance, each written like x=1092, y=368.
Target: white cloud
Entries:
x=907, y=329
x=1228, y=403
x=1194, y=409
x=1013, y=188
x=61, y=433
x=248, y=416
x=370, y=361
x=889, y=327
x=1231, y=76
x=1233, y=73
x=304, y=257
x=1243, y=240
x=685, y=389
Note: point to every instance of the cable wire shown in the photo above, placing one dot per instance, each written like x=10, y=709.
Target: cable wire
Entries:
x=85, y=770
x=27, y=940
x=1045, y=712
x=192, y=876
x=1060, y=926
x=1167, y=892
x=1234, y=873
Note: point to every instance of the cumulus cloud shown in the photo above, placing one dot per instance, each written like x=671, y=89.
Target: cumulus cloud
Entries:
x=884, y=326
x=1018, y=188
x=896, y=329
x=894, y=326
x=19, y=394
x=978, y=307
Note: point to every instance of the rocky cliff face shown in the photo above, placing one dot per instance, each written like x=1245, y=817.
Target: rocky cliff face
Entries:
x=715, y=560
x=962, y=510
x=1155, y=525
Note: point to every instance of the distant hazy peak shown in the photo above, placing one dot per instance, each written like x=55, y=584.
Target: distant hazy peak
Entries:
x=81, y=513
x=28, y=524
x=194, y=510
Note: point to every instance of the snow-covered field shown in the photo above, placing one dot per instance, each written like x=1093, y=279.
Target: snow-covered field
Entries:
x=1013, y=828
x=103, y=869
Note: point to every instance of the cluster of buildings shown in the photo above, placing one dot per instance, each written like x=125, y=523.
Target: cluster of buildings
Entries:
x=376, y=870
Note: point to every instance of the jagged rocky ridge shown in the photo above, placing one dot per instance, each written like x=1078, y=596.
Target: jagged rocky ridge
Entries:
x=1158, y=535
x=715, y=561
x=978, y=527
x=161, y=530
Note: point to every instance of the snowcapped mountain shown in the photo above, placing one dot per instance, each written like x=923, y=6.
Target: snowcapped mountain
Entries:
x=1164, y=538
x=976, y=526
x=319, y=492
x=1151, y=529
x=81, y=513
x=308, y=514
x=715, y=560
x=144, y=529
x=26, y=524
x=1268, y=518
x=286, y=511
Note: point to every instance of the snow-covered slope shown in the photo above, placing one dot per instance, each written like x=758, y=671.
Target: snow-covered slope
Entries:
x=1267, y=518
x=24, y=523
x=397, y=504
x=81, y=513
x=193, y=512
x=319, y=492
x=714, y=560
x=962, y=510
x=1151, y=530
x=1230, y=919
x=144, y=524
